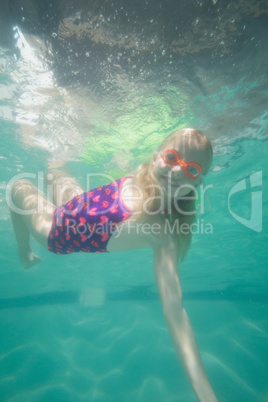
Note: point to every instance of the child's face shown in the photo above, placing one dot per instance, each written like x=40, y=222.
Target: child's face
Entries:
x=173, y=178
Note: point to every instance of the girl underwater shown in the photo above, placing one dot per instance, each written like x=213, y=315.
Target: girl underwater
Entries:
x=138, y=211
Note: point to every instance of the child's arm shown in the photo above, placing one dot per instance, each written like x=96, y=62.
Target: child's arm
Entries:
x=180, y=329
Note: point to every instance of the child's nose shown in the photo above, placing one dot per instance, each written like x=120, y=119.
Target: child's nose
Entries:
x=177, y=169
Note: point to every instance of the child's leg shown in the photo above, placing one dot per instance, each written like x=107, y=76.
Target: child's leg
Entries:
x=62, y=187
x=31, y=213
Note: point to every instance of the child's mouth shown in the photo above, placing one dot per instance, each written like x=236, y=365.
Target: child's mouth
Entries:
x=168, y=180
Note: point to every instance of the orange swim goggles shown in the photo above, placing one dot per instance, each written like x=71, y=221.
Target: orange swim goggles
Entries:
x=171, y=157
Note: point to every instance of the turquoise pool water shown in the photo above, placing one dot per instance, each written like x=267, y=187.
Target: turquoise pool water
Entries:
x=90, y=327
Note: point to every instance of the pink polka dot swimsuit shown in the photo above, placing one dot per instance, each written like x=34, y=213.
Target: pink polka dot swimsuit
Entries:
x=86, y=223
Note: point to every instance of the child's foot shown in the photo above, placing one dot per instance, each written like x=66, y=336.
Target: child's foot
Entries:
x=29, y=259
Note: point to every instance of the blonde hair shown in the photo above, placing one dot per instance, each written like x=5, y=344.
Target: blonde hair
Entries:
x=145, y=180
